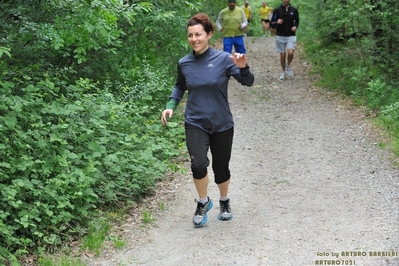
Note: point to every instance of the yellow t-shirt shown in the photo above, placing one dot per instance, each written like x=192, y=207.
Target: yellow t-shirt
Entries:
x=247, y=11
x=264, y=12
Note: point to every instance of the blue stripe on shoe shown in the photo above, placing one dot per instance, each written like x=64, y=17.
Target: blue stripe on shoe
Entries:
x=206, y=215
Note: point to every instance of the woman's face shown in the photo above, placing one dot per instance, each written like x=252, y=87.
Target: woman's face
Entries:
x=198, y=38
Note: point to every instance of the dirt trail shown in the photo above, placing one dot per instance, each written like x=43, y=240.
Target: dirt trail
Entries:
x=309, y=185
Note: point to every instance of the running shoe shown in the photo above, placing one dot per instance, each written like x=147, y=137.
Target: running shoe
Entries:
x=201, y=213
x=289, y=71
x=225, y=211
x=282, y=75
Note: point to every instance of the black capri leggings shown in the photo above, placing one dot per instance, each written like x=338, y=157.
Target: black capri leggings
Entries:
x=220, y=143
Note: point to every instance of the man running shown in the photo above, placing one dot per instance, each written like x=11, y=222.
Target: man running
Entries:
x=286, y=21
x=231, y=21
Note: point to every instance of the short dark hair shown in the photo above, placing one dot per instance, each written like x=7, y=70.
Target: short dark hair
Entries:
x=204, y=20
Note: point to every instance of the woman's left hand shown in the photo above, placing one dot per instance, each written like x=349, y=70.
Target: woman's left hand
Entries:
x=239, y=60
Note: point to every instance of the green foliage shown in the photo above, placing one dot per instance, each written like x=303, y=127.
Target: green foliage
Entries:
x=363, y=29
x=82, y=91
x=103, y=40
x=4, y=50
x=353, y=46
x=69, y=152
x=391, y=116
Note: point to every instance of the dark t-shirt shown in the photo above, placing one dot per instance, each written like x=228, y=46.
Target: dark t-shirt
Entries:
x=206, y=78
x=290, y=18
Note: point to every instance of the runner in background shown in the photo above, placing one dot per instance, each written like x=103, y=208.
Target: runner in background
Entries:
x=231, y=22
x=248, y=15
x=264, y=12
x=286, y=20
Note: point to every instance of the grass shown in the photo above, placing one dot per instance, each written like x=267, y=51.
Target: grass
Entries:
x=147, y=217
x=118, y=241
x=96, y=236
x=98, y=233
x=60, y=261
x=162, y=206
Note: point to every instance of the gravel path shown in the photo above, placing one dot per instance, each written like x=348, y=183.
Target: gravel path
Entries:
x=309, y=186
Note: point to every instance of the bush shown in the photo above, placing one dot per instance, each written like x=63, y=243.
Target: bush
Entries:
x=67, y=152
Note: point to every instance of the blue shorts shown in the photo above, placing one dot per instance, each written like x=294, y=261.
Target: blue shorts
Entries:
x=237, y=41
x=285, y=42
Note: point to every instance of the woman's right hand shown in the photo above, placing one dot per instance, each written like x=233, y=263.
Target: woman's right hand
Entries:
x=167, y=113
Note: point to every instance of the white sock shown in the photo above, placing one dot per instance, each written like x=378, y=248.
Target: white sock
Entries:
x=203, y=200
x=224, y=198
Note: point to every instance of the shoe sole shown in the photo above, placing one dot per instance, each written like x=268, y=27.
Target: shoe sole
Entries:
x=205, y=217
x=225, y=219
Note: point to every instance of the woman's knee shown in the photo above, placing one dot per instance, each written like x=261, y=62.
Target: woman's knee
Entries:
x=199, y=173
x=199, y=169
x=221, y=179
